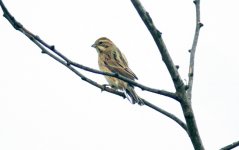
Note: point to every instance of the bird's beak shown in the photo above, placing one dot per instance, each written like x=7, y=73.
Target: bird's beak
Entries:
x=94, y=45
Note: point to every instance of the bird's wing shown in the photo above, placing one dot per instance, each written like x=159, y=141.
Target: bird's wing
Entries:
x=118, y=64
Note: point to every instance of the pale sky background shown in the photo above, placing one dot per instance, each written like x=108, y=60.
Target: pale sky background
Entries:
x=45, y=106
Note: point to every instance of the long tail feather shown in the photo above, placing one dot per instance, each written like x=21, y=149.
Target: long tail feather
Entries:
x=132, y=96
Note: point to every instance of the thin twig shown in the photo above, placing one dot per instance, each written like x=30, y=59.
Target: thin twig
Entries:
x=193, y=49
x=143, y=87
x=35, y=39
x=173, y=117
x=231, y=146
x=70, y=65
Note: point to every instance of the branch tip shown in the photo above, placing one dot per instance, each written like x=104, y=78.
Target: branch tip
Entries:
x=83, y=78
x=52, y=47
x=159, y=33
x=200, y=24
x=195, y=2
x=43, y=52
x=149, y=18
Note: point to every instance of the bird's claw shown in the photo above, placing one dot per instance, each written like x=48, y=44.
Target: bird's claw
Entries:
x=104, y=87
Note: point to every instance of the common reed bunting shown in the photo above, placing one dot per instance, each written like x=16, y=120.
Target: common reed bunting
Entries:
x=112, y=60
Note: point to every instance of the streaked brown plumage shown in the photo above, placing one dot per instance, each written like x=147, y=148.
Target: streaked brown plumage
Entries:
x=110, y=59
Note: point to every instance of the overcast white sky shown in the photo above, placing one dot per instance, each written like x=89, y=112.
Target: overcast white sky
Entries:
x=44, y=106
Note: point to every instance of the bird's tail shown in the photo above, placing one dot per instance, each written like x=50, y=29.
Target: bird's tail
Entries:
x=132, y=96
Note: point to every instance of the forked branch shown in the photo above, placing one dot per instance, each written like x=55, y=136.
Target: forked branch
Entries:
x=53, y=53
x=181, y=89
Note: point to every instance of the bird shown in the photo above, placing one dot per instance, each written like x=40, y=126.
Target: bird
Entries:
x=112, y=60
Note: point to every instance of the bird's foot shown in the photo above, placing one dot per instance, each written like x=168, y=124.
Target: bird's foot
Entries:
x=104, y=87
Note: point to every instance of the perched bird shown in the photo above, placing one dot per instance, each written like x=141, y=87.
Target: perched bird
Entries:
x=110, y=59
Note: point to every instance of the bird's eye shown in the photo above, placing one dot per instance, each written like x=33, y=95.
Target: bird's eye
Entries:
x=100, y=43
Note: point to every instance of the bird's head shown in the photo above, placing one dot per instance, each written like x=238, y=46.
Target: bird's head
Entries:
x=103, y=45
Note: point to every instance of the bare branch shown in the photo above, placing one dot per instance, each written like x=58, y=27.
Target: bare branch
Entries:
x=143, y=87
x=70, y=65
x=192, y=125
x=156, y=34
x=35, y=39
x=173, y=117
x=30, y=35
x=193, y=49
x=231, y=146
x=178, y=83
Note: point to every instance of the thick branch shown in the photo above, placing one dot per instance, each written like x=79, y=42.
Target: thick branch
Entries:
x=70, y=65
x=231, y=146
x=156, y=34
x=178, y=83
x=193, y=49
x=186, y=103
x=193, y=132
